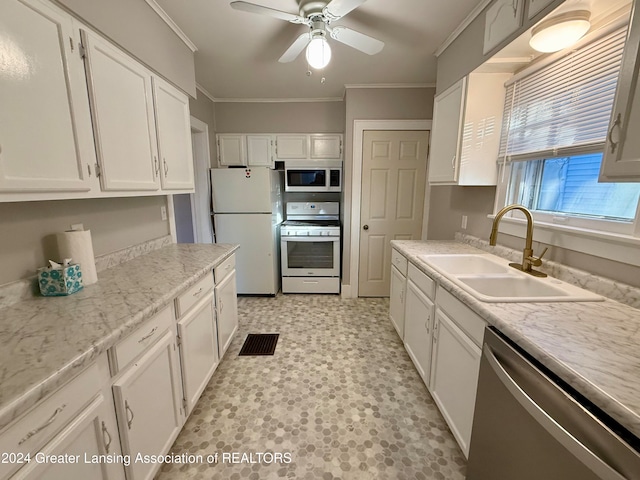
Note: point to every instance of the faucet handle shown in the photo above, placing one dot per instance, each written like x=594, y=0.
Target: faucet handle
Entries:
x=536, y=262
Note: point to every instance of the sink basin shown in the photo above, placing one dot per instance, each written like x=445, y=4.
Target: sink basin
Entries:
x=458, y=264
x=490, y=279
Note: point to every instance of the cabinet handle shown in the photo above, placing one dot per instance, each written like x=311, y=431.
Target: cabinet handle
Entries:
x=148, y=335
x=427, y=323
x=129, y=411
x=616, y=123
x=435, y=333
x=89, y=168
x=221, y=305
x=166, y=167
x=453, y=162
x=198, y=292
x=106, y=438
x=37, y=430
x=155, y=161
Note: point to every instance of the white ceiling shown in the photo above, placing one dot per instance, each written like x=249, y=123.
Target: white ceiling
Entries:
x=237, y=56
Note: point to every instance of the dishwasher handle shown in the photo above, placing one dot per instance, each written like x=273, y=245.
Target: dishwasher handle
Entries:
x=580, y=451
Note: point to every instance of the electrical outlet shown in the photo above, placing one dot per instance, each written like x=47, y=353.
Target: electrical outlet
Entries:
x=163, y=212
x=463, y=225
x=77, y=227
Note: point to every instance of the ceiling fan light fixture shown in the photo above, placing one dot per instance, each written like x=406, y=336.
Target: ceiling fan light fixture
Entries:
x=318, y=52
x=560, y=32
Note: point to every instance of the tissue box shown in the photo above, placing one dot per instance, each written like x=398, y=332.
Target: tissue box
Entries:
x=64, y=280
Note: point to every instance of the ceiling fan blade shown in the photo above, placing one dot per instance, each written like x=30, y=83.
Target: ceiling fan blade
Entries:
x=357, y=40
x=295, y=49
x=339, y=8
x=253, y=8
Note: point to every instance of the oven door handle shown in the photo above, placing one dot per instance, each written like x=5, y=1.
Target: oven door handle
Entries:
x=310, y=239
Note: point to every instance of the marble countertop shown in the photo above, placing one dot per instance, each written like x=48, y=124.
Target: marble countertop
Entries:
x=593, y=346
x=45, y=341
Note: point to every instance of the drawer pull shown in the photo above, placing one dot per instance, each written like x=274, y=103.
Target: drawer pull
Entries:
x=106, y=438
x=148, y=335
x=129, y=411
x=198, y=292
x=35, y=431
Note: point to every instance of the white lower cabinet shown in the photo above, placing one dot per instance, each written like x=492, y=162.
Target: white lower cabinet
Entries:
x=148, y=405
x=198, y=342
x=396, y=300
x=84, y=444
x=454, y=377
x=226, y=310
x=418, y=325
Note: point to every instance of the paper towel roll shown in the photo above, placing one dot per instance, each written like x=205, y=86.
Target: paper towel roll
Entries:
x=77, y=246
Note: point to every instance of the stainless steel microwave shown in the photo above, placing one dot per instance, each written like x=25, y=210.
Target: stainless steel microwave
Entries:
x=323, y=177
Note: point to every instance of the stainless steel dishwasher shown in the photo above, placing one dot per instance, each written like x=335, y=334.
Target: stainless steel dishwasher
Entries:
x=529, y=425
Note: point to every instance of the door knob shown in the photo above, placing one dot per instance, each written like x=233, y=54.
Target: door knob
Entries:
x=366, y=227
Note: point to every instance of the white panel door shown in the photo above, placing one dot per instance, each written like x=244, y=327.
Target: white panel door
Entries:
x=42, y=90
x=148, y=403
x=90, y=434
x=226, y=311
x=259, y=151
x=393, y=186
x=418, y=325
x=454, y=377
x=123, y=117
x=198, y=340
x=174, y=136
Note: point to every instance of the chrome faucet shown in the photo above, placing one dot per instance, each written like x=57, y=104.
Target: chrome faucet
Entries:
x=528, y=260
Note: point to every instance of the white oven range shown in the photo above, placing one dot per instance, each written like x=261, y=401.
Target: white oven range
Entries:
x=310, y=248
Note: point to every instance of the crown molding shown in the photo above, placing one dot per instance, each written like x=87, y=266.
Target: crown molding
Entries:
x=465, y=23
x=277, y=100
x=205, y=92
x=390, y=85
x=172, y=25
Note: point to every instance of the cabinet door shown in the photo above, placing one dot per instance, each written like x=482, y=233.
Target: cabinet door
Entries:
x=536, y=6
x=447, y=124
x=226, y=311
x=148, y=398
x=43, y=134
x=418, y=324
x=291, y=146
x=396, y=300
x=325, y=147
x=621, y=161
x=454, y=377
x=502, y=19
x=259, y=151
x=123, y=117
x=91, y=434
x=174, y=136
x=231, y=150
x=198, y=342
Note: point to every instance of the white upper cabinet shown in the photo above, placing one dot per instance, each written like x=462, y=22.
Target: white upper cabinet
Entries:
x=232, y=150
x=621, y=161
x=325, y=147
x=174, y=136
x=502, y=19
x=467, y=119
x=290, y=147
x=259, y=151
x=123, y=117
x=536, y=6
x=45, y=128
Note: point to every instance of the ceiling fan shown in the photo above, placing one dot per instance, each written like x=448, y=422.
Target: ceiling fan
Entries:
x=318, y=15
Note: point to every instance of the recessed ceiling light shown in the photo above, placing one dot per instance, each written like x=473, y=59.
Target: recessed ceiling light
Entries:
x=560, y=32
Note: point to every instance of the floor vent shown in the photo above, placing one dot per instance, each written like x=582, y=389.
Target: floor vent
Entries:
x=260, y=344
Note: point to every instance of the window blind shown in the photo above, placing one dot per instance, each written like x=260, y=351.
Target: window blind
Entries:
x=564, y=108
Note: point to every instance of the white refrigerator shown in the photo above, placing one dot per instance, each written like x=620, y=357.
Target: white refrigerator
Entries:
x=247, y=210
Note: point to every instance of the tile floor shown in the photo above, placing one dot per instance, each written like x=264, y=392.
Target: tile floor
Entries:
x=340, y=399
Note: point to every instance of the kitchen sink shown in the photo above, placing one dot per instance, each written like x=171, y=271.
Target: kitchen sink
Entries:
x=490, y=279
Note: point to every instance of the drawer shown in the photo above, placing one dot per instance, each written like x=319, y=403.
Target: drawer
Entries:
x=40, y=424
x=224, y=269
x=194, y=294
x=470, y=322
x=423, y=281
x=144, y=336
x=399, y=261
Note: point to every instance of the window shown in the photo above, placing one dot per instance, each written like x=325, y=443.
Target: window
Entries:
x=554, y=128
